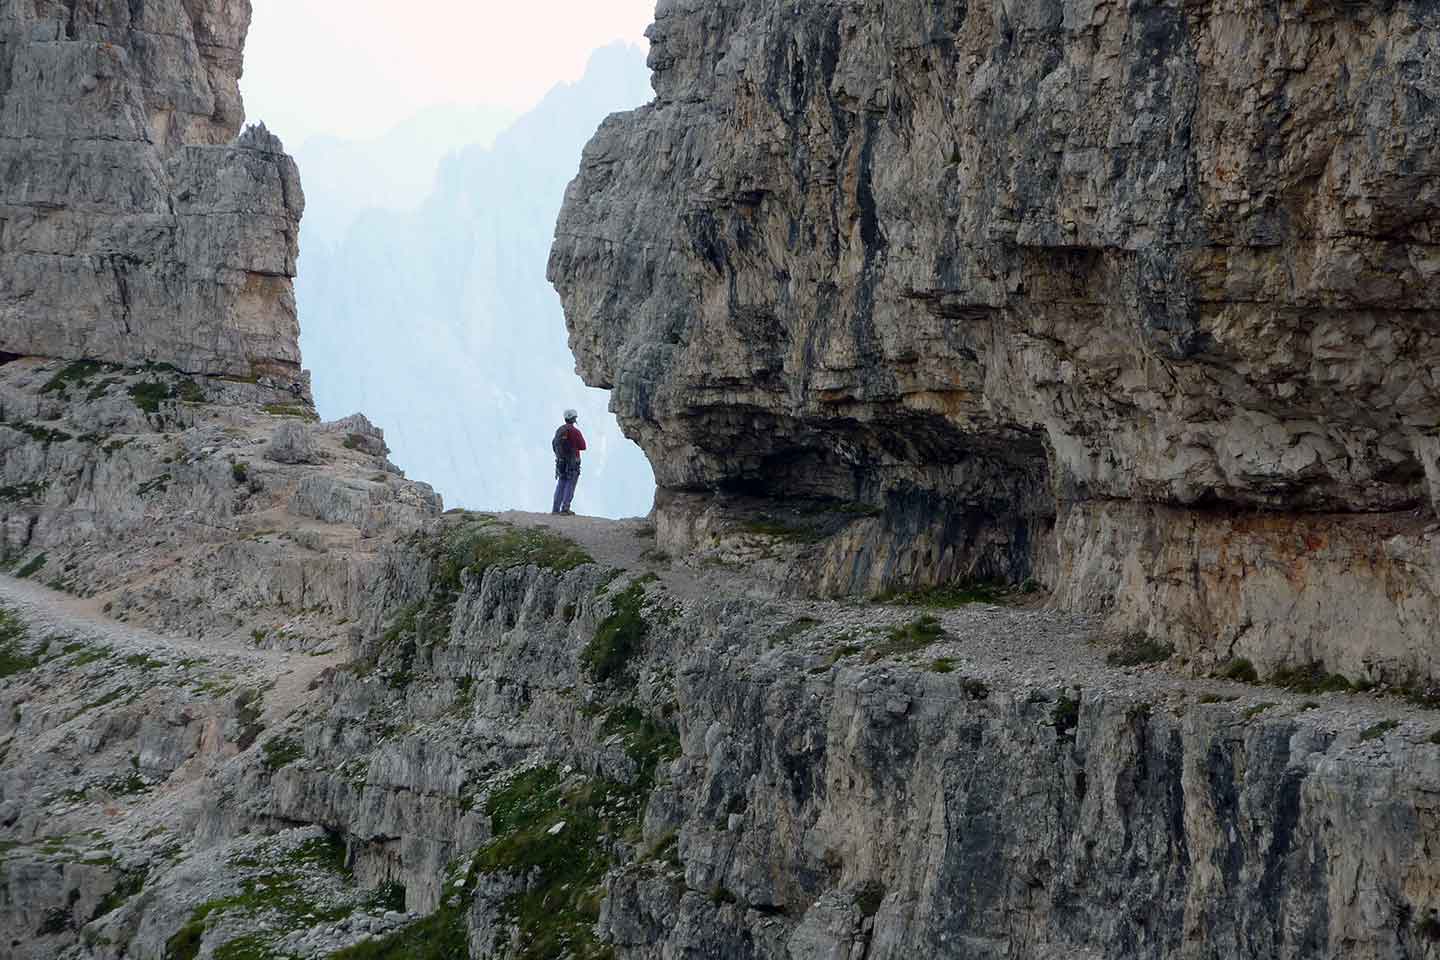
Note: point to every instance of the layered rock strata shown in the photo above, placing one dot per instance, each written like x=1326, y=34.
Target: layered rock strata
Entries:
x=129, y=208
x=545, y=744
x=1137, y=301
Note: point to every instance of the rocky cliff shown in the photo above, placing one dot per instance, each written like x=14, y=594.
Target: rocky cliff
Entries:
x=272, y=703
x=1136, y=300
x=129, y=208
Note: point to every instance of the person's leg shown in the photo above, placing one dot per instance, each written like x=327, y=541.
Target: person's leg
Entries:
x=571, y=481
x=560, y=496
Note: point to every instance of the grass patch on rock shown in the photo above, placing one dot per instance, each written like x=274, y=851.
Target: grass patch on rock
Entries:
x=14, y=658
x=281, y=752
x=1377, y=730
x=951, y=596
x=1310, y=678
x=619, y=637
x=1241, y=670
x=299, y=411
x=556, y=835
x=907, y=638
x=78, y=374
x=1139, y=649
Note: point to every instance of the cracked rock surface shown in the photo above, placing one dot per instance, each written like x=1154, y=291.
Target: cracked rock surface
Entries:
x=130, y=208
x=1138, y=301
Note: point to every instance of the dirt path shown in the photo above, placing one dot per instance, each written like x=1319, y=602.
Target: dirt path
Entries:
x=48, y=613
x=1036, y=645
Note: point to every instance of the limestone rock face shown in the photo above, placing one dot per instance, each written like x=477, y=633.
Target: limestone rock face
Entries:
x=129, y=208
x=1014, y=262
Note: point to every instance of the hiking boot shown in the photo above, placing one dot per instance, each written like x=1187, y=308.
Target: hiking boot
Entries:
x=567, y=513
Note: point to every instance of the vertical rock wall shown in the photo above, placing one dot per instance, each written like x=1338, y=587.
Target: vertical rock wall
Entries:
x=134, y=227
x=1147, y=289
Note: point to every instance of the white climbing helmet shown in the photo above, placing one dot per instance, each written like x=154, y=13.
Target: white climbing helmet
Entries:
x=572, y=415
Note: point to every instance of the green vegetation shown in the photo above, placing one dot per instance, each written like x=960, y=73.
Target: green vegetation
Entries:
x=299, y=410
x=975, y=689
x=41, y=434
x=556, y=835
x=619, y=637
x=907, y=638
x=647, y=741
x=160, y=484
x=278, y=894
x=249, y=707
x=869, y=897
x=13, y=636
x=240, y=472
x=950, y=596
x=78, y=373
x=943, y=665
x=442, y=935
x=478, y=547
x=1065, y=716
x=149, y=394
x=144, y=661
x=1310, y=678
x=33, y=567
x=782, y=530
x=1137, y=649
x=1377, y=730
x=1250, y=713
x=1240, y=669
x=128, y=885
x=793, y=629
x=281, y=752
x=20, y=492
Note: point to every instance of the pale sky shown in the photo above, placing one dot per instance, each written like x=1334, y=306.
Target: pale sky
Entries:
x=356, y=68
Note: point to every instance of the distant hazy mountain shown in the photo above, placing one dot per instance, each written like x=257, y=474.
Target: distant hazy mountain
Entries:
x=438, y=323
x=396, y=171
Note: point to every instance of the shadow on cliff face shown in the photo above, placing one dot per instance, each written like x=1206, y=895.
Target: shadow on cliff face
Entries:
x=856, y=508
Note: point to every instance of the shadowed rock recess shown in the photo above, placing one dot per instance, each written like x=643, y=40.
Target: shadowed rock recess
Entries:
x=1130, y=302
x=1138, y=300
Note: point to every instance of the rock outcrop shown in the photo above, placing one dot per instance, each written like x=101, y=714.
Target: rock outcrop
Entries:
x=1137, y=301
x=129, y=207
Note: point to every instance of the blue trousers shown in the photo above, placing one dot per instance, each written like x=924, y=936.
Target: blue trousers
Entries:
x=567, y=476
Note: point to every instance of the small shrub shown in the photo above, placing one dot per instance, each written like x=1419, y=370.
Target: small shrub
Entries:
x=907, y=638
x=619, y=637
x=78, y=373
x=31, y=568
x=281, y=752
x=780, y=530
x=240, y=472
x=13, y=637
x=158, y=485
x=298, y=410
x=21, y=492
x=149, y=394
x=1310, y=678
x=869, y=897
x=1377, y=730
x=1250, y=713
x=943, y=665
x=130, y=883
x=1240, y=669
x=950, y=596
x=1139, y=649
x=793, y=629
x=1065, y=716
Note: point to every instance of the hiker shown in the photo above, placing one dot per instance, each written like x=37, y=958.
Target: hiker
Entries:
x=568, y=443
